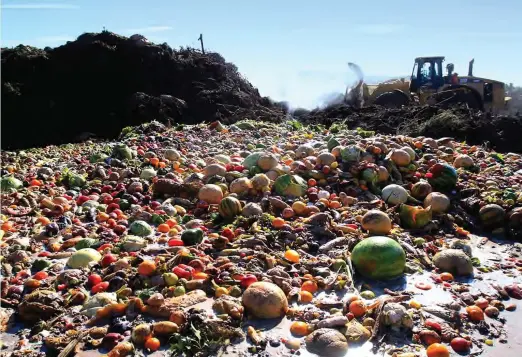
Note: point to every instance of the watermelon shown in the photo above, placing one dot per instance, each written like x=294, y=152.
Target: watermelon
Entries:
x=443, y=177
x=192, y=236
x=379, y=258
x=229, y=207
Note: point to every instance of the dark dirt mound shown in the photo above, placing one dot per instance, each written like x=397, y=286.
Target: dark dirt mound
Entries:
x=103, y=82
x=503, y=133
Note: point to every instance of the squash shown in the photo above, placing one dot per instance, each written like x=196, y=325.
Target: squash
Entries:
x=464, y=161
x=267, y=162
x=215, y=169
x=229, y=207
x=394, y=194
x=439, y=202
x=241, y=185
x=211, y=194
x=265, y=300
x=376, y=222
x=400, y=157
x=192, y=236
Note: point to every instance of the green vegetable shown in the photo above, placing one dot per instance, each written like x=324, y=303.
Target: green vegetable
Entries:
x=124, y=204
x=83, y=258
x=122, y=151
x=379, y=258
x=133, y=243
x=414, y=217
x=251, y=160
x=141, y=228
x=333, y=142
x=290, y=185
x=100, y=157
x=41, y=264
x=85, y=243
x=10, y=183
x=148, y=173
x=351, y=153
x=192, y=236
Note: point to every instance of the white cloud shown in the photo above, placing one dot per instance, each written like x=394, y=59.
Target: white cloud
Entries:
x=39, y=6
x=149, y=29
x=379, y=29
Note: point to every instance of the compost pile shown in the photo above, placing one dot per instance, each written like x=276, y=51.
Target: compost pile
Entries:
x=259, y=238
x=103, y=82
x=475, y=127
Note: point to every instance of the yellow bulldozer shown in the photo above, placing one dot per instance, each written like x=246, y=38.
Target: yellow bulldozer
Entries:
x=428, y=85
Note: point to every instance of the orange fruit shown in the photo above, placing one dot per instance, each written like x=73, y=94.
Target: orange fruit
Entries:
x=163, y=228
x=278, y=222
x=43, y=220
x=357, y=308
x=305, y=296
x=147, y=267
x=299, y=328
x=152, y=344
x=475, y=313
x=437, y=350
x=292, y=256
x=154, y=161
x=310, y=286
x=482, y=303
x=446, y=276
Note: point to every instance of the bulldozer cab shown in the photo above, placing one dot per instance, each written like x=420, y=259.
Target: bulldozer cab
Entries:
x=427, y=75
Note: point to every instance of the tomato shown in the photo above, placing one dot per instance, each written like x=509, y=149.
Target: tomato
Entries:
x=61, y=287
x=108, y=259
x=183, y=271
x=41, y=275
x=228, y=233
x=175, y=243
x=94, y=279
x=460, y=345
x=248, y=280
x=433, y=324
x=152, y=344
x=44, y=254
x=100, y=287
x=105, y=246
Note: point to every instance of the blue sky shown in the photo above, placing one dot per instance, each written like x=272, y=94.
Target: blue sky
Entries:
x=295, y=50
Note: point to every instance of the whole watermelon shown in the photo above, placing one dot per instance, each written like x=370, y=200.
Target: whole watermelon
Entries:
x=230, y=207
x=379, y=258
x=443, y=177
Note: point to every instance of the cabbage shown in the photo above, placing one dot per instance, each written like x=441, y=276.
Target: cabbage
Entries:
x=85, y=243
x=290, y=185
x=11, y=183
x=141, y=228
x=251, y=160
x=351, y=153
x=96, y=302
x=90, y=204
x=97, y=158
x=147, y=174
x=133, y=244
x=122, y=151
x=83, y=258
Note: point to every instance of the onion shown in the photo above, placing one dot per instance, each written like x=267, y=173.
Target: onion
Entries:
x=272, y=175
x=260, y=181
x=240, y=185
x=401, y=157
x=421, y=189
x=463, y=160
x=376, y=222
x=325, y=158
x=439, y=202
x=410, y=151
x=267, y=162
x=383, y=174
x=211, y=194
x=215, y=169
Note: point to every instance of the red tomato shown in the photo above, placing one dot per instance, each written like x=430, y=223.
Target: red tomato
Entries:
x=183, y=271
x=108, y=259
x=44, y=254
x=61, y=287
x=175, y=243
x=41, y=275
x=100, y=287
x=460, y=345
x=104, y=246
x=228, y=233
x=248, y=280
x=94, y=279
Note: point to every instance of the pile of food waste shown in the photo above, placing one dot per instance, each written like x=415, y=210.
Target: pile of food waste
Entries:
x=261, y=239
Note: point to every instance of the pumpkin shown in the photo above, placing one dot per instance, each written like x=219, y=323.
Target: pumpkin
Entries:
x=252, y=209
x=443, y=177
x=211, y=194
x=492, y=215
x=379, y=258
x=229, y=207
x=376, y=222
x=260, y=181
x=192, y=236
x=400, y=157
x=241, y=185
x=421, y=189
x=325, y=158
x=290, y=185
x=215, y=169
x=439, y=202
x=267, y=162
x=265, y=300
x=464, y=161
x=394, y=194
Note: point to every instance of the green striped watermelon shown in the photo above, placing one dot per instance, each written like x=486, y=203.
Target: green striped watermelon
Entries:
x=229, y=207
x=379, y=258
x=443, y=177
